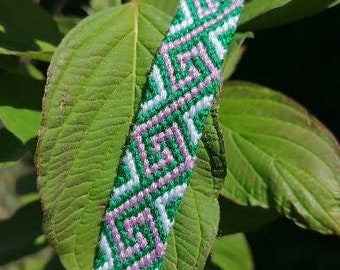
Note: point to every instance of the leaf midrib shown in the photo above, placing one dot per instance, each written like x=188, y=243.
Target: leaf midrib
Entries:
x=134, y=74
x=320, y=222
x=258, y=134
x=135, y=6
x=273, y=159
x=88, y=78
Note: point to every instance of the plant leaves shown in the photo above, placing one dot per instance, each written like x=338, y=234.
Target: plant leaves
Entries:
x=274, y=13
x=255, y=8
x=334, y=3
x=29, y=70
x=23, y=123
x=280, y=157
x=232, y=253
x=20, y=104
x=168, y=7
x=27, y=31
x=235, y=52
x=99, y=5
x=65, y=24
x=84, y=129
x=260, y=14
x=95, y=82
x=41, y=55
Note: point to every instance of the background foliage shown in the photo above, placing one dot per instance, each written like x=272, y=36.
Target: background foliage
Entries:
x=282, y=162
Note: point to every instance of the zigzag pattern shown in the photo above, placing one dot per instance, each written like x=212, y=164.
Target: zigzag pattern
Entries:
x=160, y=155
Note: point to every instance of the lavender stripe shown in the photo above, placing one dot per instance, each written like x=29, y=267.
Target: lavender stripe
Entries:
x=149, y=258
x=198, y=50
x=143, y=217
x=212, y=7
x=167, y=156
x=184, y=39
x=163, y=181
x=170, y=109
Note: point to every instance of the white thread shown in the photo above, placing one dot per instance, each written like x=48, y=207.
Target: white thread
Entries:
x=104, y=245
x=128, y=160
x=213, y=36
x=212, y=7
x=188, y=20
x=157, y=77
x=161, y=202
x=189, y=116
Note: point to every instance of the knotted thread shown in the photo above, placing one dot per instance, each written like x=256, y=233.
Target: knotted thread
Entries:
x=160, y=155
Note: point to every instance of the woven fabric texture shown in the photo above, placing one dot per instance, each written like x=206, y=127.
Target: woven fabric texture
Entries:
x=160, y=155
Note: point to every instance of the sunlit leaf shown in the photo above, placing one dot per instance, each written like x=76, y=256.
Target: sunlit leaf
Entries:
x=255, y=8
x=65, y=24
x=99, y=5
x=168, y=7
x=232, y=253
x=280, y=157
x=260, y=14
x=235, y=52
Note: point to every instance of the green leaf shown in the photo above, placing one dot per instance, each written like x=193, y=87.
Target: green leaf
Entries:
x=20, y=105
x=65, y=24
x=196, y=224
x=23, y=123
x=232, y=253
x=40, y=55
x=234, y=55
x=255, y=8
x=84, y=129
x=281, y=12
x=27, y=31
x=280, y=157
x=95, y=82
x=19, y=67
x=168, y=7
x=334, y=3
x=30, y=71
x=99, y=5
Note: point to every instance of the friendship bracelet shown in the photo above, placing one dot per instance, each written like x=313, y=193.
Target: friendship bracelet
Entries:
x=160, y=154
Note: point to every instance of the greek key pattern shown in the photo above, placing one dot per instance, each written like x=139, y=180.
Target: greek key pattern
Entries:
x=160, y=155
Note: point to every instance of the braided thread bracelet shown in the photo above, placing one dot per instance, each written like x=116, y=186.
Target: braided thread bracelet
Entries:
x=160, y=155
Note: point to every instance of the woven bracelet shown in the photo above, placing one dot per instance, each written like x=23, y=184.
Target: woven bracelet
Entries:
x=160, y=154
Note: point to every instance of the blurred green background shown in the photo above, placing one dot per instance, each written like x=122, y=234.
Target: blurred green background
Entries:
x=302, y=60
